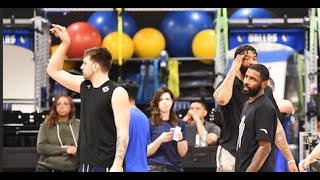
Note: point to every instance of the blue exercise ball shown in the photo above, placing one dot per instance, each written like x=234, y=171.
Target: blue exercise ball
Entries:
x=107, y=22
x=244, y=13
x=179, y=29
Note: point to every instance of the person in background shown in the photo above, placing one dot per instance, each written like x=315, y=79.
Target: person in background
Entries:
x=58, y=137
x=285, y=106
x=139, y=132
x=105, y=111
x=196, y=124
x=164, y=153
x=230, y=100
x=286, y=109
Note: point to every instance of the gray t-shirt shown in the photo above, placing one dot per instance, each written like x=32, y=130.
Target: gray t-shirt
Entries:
x=192, y=131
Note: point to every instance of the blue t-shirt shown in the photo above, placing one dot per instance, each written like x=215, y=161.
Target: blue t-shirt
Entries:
x=139, y=139
x=167, y=154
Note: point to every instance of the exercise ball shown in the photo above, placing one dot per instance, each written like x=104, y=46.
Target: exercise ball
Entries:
x=111, y=43
x=204, y=45
x=179, y=28
x=244, y=13
x=148, y=42
x=83, y=36
x=67, y=65
x=70, y=65
x=53, y=49
x=107, y=21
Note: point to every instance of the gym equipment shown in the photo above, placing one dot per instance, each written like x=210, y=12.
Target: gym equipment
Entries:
x=83, y=36
x=307, y=142
x=26, y=51
x=243, y=13
x=163, y=68
x=173, y=78
x=179, y=28
x=53, y=49
x=222, y=44
x=204, y=45
x=149, y=84
x=148, y=42
x=143, y=74
x=106, y=22
x=111, y=42
x=156, y=83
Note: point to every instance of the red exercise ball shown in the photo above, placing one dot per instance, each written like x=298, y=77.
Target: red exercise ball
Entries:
x=82, y=36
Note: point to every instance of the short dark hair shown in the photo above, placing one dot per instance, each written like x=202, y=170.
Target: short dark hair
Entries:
x=263, y=70
x=244, y=48
x=100, y=55
x=200, y=102
x=131, y=87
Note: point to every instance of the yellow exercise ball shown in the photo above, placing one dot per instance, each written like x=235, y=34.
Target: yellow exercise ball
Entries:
x=204, y=45
x=53, y=49
x=110, y=41
x=67, y=65
x=148, y=42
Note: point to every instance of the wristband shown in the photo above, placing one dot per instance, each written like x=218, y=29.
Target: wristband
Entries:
x=291, y=161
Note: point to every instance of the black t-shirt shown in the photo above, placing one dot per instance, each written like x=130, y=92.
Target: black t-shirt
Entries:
x=268, y=92
x=258, y=122
x=97, y=127
x=230, y=115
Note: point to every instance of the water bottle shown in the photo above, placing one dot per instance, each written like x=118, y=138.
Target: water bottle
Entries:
x=197, y=141
x=203, y=139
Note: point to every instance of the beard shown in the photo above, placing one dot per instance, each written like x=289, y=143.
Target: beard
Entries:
x=243, y=70
x=251, y=92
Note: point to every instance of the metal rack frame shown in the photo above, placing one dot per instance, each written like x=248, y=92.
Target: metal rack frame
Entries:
x=307, y=141
x=41, y=49
x=311, y=73
x=42, y=52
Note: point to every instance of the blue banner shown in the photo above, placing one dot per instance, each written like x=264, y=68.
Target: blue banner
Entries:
x=23, y=38
x=294, y=38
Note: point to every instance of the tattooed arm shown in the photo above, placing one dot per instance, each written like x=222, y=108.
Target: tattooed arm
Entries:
x=121, y=111
x=282, y=144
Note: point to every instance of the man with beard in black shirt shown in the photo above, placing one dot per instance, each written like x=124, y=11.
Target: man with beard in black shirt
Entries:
x=257, y=129
x=230, y=98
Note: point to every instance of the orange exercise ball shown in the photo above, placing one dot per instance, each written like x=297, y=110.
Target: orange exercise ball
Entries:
x=204, y=45
x=148, y=42
x=110, y=41
x=53, y=49
x=83, y=36
x=67, y=65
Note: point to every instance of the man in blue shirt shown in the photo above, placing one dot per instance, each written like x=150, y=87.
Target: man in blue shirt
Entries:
x=139, y=132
